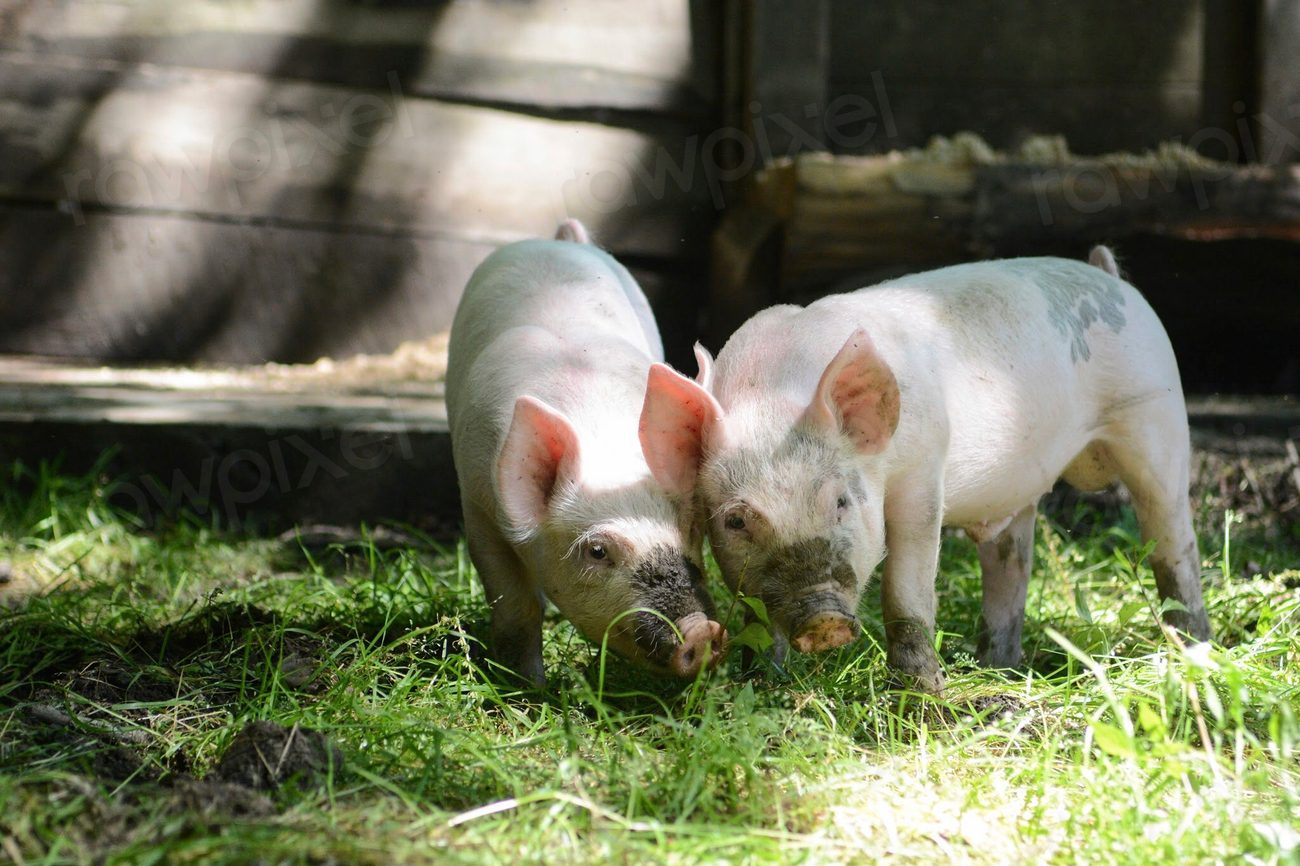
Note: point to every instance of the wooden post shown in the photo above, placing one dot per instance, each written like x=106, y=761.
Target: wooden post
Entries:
x=1279, y=118
x=788, y=73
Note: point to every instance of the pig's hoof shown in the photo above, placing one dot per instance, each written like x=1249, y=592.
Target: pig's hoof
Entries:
x=912, y=656
x=928, y=683
x=526, y=673
x=824, y=631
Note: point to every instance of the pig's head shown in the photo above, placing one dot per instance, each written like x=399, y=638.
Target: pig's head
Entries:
x=609, y=539
x=792, y=497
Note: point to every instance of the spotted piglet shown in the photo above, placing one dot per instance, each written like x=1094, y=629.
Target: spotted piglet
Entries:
x=546, y=381
x=865, y=422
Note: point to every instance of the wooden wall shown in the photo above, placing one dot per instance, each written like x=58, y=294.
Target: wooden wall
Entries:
x=1109, y=75
x=282, y=179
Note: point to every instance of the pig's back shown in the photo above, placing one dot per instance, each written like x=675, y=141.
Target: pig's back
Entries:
x=1006, y=369
x=1033, y=357
x=559, y=321
x=572, y=290
x=1031, y=321
x=576, y=293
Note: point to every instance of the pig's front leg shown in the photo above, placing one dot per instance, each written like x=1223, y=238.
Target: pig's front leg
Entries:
x=913, y=517
x=1005, y=563
x=516, y=606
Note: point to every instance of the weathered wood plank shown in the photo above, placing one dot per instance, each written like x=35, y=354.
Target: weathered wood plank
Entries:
x=551, y=54
x=1025, y=204
x=38, y=390
x=845, y=213
x=130, y=287
x=246, y=447
x=242, y=147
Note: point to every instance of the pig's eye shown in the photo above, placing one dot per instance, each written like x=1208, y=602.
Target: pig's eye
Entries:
x=597, y=552
x=734, y=522
x=842, y=503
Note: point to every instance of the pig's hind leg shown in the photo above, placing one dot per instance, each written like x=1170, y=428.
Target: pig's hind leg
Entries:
x=1150, y=449
x=516, y=606
x=1005, y=564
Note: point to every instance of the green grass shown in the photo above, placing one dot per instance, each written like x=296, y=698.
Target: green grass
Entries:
x=130, y=659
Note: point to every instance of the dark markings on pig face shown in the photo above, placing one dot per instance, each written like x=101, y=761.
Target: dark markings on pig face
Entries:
x=608, y=554
x=795, y=525
x=671, y=585
x=800, y=580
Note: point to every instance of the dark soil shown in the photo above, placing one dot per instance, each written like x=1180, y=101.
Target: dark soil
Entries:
x=1259, y=486
x=265, y=756
x=99, y=718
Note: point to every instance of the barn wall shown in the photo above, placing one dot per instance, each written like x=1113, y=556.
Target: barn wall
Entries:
x=1110, y=75
x=282, y=179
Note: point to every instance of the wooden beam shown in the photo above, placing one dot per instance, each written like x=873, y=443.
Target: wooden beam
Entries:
x=121, y=286
x=240, y=147
x=843, y=215
x=546, y=55
x=274, y=397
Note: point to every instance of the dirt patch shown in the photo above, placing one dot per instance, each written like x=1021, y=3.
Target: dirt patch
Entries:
x=98, y=750
x=1263, y=490
x=106, y=724
x=106, y=682
x=991, y=708
x=1261, y=487
x=215, y=801
x=265, y=756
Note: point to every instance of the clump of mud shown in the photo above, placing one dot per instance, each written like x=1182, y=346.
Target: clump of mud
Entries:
x=107, y=719
x=265, y=756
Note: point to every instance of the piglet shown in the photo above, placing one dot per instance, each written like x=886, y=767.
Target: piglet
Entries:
x=867, y=421
x=546, y=381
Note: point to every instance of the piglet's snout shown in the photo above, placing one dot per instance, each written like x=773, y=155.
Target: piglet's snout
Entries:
x=825, y=623
x=703, y=642
x=825, y=631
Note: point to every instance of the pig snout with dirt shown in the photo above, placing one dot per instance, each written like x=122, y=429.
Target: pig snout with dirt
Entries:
x=546, y=381
x=866, y=421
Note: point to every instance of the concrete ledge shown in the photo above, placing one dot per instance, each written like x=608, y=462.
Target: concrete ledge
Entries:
x=257, y=449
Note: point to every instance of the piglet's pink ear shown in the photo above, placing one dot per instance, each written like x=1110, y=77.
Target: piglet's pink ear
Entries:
x=540, y=453
x=704, y=365
x=857, y=396
x=679, y=420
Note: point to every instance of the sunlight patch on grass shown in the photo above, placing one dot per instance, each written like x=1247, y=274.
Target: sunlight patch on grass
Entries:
x=122, y=690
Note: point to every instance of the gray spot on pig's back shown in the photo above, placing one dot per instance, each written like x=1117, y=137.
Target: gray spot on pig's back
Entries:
x=1078, y=297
